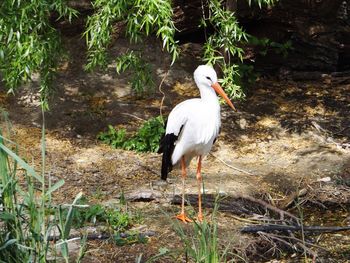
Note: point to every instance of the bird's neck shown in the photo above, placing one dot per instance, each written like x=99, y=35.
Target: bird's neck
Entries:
x=209, y=97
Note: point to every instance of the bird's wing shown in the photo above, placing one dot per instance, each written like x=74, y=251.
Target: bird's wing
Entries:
x=179, y=116
x=175, y=123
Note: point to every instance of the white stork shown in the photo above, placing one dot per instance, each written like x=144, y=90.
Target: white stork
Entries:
x=191, y=130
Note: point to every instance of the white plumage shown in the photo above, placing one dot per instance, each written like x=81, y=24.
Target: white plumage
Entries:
x=192, y=127
x=201, y=125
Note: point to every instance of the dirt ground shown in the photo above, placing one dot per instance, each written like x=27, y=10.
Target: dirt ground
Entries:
x=286, y=136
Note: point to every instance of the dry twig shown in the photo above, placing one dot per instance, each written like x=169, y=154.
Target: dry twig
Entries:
x=230, y=166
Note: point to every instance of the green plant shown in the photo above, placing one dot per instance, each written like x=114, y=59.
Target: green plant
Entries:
x=130, y=239
x=263, y=2
x=201, y=243
x=142, y=77
x=267, y=44
x=65, y=223
x=202, y=247
x=146, y=138
x=113, y=137
x=115, y=218
x=28, y=42
x=224, y=47
x=142, y=19
x=26, y=209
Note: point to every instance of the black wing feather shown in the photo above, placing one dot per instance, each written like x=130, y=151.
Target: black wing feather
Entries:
x=167, y=146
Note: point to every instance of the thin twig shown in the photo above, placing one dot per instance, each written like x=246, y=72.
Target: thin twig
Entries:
x=301, y=244
x=247, y=220
x=298, y=240
x=271, y=207
x=230, y=166
x=134, y=116
x=162, y=92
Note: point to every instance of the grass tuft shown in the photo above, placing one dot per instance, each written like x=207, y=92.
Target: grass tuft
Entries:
x=26, y=198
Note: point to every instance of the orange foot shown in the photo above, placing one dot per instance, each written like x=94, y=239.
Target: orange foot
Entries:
x=200, y=217
x=183, y=218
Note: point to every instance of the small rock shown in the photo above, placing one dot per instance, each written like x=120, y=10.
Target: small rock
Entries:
x=243, y=123
x=143, y=195
x=324, y=179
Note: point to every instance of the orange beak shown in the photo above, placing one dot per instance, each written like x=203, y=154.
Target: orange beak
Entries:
x=216, y=86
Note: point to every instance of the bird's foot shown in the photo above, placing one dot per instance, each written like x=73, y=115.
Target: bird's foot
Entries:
x=200, y=217
x=183, y=218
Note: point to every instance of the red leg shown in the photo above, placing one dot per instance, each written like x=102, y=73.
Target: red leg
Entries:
x=182, y=216
x=199, y=182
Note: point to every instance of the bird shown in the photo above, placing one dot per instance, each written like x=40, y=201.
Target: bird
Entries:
x=191, y=130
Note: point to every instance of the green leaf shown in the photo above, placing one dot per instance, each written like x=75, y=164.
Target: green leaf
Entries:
x=7, y=216
x=8, y=243
x=69, y=218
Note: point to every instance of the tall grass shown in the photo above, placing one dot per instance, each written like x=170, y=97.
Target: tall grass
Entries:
x=201, y=243
x=26, y=218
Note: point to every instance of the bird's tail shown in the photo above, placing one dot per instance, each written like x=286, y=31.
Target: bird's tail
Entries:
x=167, y=146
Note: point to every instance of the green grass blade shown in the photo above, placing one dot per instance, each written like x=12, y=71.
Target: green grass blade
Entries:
x=69, y=218
x=30, y=170
x=54, y=187
x=8, y=243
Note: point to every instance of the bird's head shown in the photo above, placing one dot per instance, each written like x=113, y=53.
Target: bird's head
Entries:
x=205, y=76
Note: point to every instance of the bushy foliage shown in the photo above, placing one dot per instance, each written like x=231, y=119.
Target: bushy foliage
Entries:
x=146, y=138
x=224, y=47
x=28, y=42
x=142, y=78
x=142, y=19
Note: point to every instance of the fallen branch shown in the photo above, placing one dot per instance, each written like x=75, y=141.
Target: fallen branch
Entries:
x=285, y=228
x=298, y=242
x=102, y=236
x=281, y=212
x=241, y=204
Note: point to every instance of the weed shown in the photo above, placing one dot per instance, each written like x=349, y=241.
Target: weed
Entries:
x=130, y=239
x=113, y=137
x=115, y=218
x=145, y=140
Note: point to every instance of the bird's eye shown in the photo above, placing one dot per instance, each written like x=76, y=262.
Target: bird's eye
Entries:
x=208, y=78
